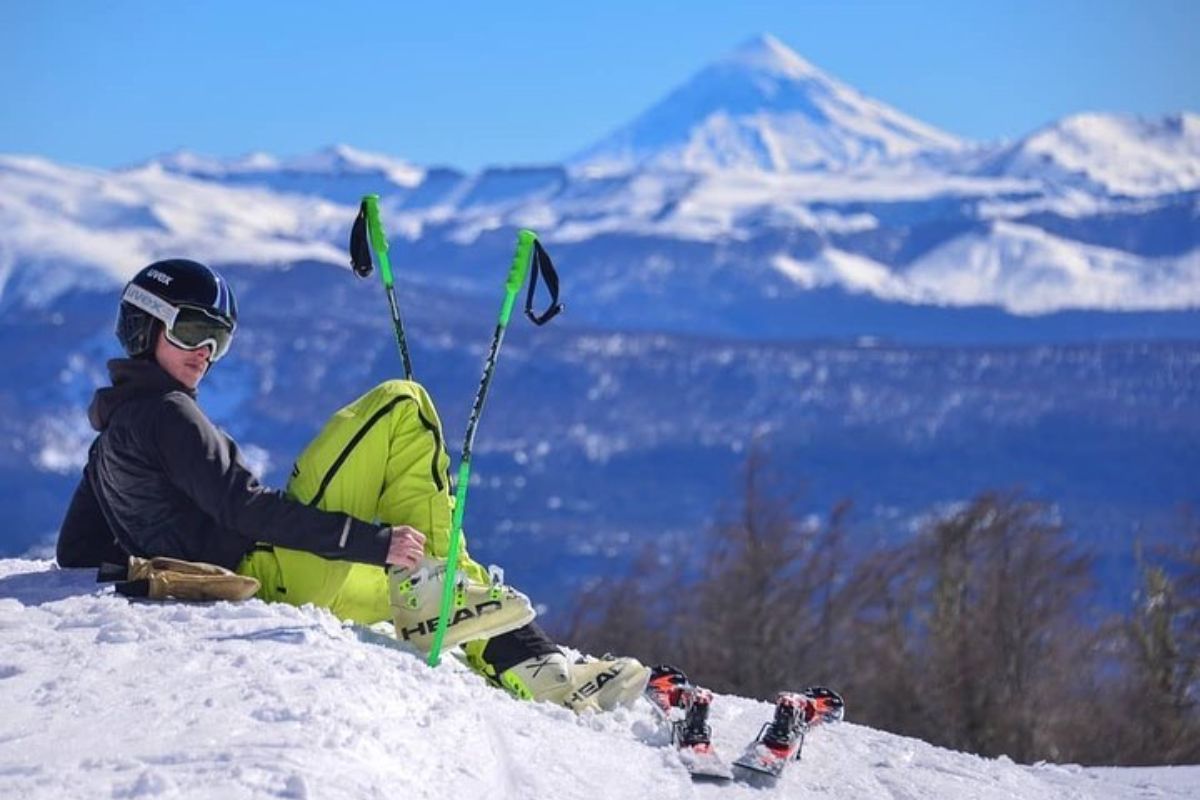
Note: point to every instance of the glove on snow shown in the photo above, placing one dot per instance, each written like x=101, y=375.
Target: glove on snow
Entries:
x=172, y=578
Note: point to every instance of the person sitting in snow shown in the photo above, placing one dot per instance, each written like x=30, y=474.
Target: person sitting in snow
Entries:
x=362, y=528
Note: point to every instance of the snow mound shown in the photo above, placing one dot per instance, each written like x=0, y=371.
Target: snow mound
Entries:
x=763, y=107
x=107, y=698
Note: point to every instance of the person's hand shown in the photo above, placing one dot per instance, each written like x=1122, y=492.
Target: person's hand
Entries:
x=407, y=547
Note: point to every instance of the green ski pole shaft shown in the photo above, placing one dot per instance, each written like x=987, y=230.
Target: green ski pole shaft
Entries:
x=516, y=277
x=379, y=245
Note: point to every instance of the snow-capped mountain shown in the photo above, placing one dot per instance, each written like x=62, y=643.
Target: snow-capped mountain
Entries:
x=1117, y=154
x=107, y=698
x=758, y=181
x=763, y=107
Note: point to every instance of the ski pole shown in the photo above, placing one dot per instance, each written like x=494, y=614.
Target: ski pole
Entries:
x=366, y=236
x=529, y=253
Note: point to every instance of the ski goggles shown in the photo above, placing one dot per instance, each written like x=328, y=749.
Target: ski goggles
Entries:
x=186, y=327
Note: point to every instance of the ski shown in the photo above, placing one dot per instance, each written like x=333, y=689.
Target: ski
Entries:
x=684, y=708
x=781, y=740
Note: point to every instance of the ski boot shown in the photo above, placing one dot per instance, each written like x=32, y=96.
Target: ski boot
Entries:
x=605, y=683
x=589, y=684
x=478, y=612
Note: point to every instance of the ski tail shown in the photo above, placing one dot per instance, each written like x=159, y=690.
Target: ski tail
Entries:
x=824, y=705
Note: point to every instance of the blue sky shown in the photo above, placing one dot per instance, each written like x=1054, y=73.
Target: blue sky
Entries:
x=472, y=83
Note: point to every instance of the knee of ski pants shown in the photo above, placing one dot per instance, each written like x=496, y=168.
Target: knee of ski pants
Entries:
x=383, y=458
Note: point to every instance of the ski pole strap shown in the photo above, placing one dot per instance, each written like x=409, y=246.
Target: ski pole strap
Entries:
x=360, y=248
x=544, y=267
x=366, y=235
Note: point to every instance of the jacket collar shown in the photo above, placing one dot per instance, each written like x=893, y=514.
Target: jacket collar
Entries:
x=131, y=377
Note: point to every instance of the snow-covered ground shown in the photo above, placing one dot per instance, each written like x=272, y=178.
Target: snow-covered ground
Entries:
x=100, y=697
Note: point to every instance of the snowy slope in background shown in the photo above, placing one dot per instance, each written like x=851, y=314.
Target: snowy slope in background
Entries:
x=1030, y=271
x=335, y=160
x=104, y=698
x=71, y=227
x=926, y=239
x=339, y=173
x=763, y=107
x=1021, y=268
x=1113, y=153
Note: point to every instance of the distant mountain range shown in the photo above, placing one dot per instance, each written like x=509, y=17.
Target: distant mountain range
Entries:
x=758, y=180
x=984, y=314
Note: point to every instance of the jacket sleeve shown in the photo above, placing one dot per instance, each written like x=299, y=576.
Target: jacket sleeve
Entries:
x=204, y=464
x=85, y=540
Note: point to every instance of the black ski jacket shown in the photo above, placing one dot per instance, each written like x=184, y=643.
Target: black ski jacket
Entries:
x=162, y=480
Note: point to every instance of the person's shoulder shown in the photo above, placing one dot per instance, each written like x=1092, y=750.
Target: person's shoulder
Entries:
x=178, y=398
x=178, y=406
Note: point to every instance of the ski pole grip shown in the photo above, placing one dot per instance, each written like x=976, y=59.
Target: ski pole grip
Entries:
x=517, y=272
x=378, y=238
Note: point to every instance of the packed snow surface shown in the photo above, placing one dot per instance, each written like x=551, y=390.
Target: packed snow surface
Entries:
x=102, y=697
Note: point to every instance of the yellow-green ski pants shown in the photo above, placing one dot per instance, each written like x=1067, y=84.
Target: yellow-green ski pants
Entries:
x=380, y=459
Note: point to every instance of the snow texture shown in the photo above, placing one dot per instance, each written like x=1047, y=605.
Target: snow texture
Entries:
x=102, y=697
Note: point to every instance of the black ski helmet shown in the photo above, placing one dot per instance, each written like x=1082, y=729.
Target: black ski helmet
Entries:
x=192, y=302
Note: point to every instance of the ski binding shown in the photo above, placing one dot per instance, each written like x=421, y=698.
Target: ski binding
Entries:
x=781, y=740
x=684, y=708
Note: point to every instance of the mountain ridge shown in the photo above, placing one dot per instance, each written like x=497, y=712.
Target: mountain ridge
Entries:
x=1120, y=153
x=1095, y=211
x=762, y=106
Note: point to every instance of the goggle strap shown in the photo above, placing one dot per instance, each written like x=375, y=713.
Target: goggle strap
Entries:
x=151, y=303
